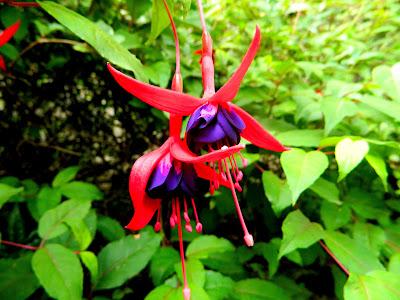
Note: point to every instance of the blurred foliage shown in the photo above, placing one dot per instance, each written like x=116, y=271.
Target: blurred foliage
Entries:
x=326, y=79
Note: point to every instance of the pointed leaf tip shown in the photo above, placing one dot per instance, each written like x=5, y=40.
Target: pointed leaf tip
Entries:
x=162, y=99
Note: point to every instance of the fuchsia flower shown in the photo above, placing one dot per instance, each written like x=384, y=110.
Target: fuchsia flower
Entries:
x=5, y=36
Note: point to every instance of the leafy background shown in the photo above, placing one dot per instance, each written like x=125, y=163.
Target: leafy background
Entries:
x=325, y=82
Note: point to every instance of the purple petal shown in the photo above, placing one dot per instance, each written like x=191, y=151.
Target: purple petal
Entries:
x=160, y=173
x=234, y=119
x=228, y=128
x=202, y=116
x=210, y=134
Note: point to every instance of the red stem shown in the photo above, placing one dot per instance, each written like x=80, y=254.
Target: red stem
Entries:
x=20, y=4
x=181, y=251
x=325, y=247
x=177, y=51
x=27, y=247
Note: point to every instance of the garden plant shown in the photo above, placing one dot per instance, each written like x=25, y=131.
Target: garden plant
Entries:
x=178, y=149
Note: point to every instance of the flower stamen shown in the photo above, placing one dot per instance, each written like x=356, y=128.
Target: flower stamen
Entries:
x=248, y=238
x=199, y=226
x=186, y=289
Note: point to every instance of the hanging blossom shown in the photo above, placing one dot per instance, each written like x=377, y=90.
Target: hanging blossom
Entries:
x=172, y=177
x=5, y=36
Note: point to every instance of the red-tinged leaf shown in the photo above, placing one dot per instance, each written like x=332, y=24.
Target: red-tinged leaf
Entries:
x=181, y=152
x=2, y=64
x=144, y=206
x=209, y=174
x=162, y=99
x=8, y=33
x=229, y=90
x=256, y=134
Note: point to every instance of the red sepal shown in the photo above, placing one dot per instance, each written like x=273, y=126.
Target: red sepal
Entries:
x=181, y=152
x=256, y=134
x=144, y=206
x=229, y=90
x=2, y=64
x=163, y=99
x=8, y=33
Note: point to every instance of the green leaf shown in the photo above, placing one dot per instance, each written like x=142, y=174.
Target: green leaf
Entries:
x=81, y=190
x=17, y=280
x=302, y=169
x=298, y=232
x=159, y=18
x=205, y=245
x=91, y=33
x=110, y=228
x=195, y=273
x=258, y=289
x=81, y=233
x=270, y=251
x=301, y=138
x=277, y=192
x=227, y=263
x=65, y=176
x=366, y=204
x=89, y=259
x=47, y=199
x=379, y=165
x=326, y=190
x=370, y=236
x=218, y=286
x=375, y=285
x=388, y=80
x=389, y=108
x=335, y=110
x=7, y=191
x=394, y=263
x=162, y=264
x=335, y=216
x=353, y=255
x=165, y=292
x=51, y=224
x=121, y=260
x=349, y=154
x=59, y=271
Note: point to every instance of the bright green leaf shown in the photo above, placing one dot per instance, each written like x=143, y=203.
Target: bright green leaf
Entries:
x=51, y=224
x=335, y=216
x=302, y=169
x=379, y=165
x=89, y=259
x=91, y=33
x=121, y=260
x=326, y=190
x=162, y=264
x=81, y=190
x=349, y=154
x=301, y=138
x=298, y=232
x=388, y=80
x=354, y=256
x=59, y=271
x=335, y=110
x=258, y=289
x=277, y=192
x=205, y=245
x=375, y=285
x=7, y=191
x=195, y=272
x=65, y=175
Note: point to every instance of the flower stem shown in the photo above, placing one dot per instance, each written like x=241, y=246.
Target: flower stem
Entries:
x=201, y=13
x=177, y=51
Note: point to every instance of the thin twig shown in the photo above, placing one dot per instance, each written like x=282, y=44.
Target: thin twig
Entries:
x=325, y=247
x=20, y=4
x=27, y=247
x=58, y=148
x=43, y=41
